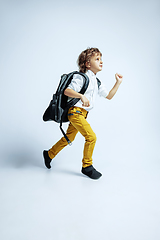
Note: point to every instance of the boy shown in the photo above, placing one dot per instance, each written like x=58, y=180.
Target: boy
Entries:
x=89, y=62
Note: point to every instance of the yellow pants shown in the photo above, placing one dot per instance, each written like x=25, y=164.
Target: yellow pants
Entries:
x=78, y=123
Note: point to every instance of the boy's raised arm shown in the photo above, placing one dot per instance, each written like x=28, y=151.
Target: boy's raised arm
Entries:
x=113, y=91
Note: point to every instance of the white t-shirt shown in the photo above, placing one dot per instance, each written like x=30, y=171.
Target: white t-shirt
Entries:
x=92, y=90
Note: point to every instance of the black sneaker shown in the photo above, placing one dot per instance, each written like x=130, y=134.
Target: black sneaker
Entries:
x=47, y=159
x=91, y=172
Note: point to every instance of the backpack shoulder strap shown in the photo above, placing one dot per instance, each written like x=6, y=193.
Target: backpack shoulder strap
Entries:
x=98, y=82
x=86, y=83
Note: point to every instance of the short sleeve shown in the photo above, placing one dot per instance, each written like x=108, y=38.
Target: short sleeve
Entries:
x=76, y=83
x=102, y=91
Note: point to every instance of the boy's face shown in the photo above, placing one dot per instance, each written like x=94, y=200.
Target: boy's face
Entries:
x=95, y=64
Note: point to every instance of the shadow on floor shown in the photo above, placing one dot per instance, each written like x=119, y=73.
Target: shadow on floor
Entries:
x=70, y=172
x=21, y=159
x=27, y=159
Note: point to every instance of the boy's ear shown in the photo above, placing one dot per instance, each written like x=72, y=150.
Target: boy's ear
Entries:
x=88, y=65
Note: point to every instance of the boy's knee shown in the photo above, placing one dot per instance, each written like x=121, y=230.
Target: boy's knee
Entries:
x=64, y=140
x=92, y=138
x=71, y=138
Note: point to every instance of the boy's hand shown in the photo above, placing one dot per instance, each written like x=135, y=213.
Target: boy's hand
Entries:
x=85, y=101
x=119, y=77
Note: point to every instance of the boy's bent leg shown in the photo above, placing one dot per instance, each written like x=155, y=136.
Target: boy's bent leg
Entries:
x=81, y=124
x=71, y=133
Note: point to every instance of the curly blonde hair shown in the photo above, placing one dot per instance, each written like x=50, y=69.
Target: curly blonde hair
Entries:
x=85, y=56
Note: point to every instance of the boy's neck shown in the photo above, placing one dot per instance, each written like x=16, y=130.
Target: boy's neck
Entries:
x=91, y=71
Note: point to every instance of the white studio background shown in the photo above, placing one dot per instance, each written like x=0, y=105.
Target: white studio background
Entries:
x=41, y=40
